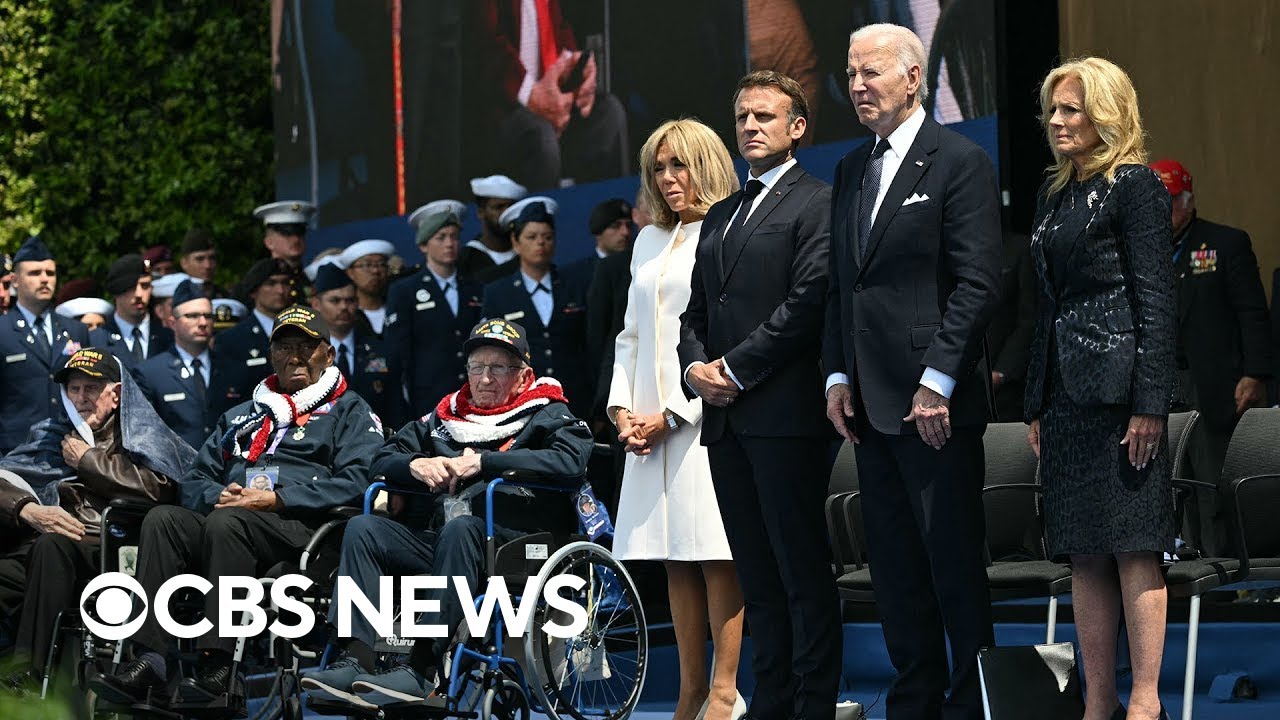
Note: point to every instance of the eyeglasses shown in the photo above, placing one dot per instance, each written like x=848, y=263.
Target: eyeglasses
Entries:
x=292, y=349
x=497, y=371
x=196, y=316
x=371, y=266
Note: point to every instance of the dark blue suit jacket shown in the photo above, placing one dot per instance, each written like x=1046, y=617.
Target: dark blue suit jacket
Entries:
x=559, y=349
x=425, y=339
x=108, y=336
x=30, y=394
x=242, y=361
x=173, y=393
x=372, y=376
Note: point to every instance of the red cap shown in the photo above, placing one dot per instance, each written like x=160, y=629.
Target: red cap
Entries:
x=159, y=253
x=1173, y=175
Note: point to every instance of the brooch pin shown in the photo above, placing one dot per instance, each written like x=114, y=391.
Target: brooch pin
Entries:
x=1093, y=195
x=299, y=433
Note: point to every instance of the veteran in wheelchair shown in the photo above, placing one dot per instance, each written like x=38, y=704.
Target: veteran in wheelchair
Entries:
x=55, y=488
x=503, y=420
x=313, y=440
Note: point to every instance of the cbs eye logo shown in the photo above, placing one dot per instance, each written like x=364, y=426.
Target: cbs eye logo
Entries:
x=108, y=615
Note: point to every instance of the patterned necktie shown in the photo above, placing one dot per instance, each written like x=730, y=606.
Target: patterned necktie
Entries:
x=42, y=338
x=201, y=388
x=136, y=350
x=731, y=238
x=870, y=189
x=344, y=360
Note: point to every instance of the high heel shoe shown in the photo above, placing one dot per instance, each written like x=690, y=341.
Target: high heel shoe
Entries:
x=739, y=708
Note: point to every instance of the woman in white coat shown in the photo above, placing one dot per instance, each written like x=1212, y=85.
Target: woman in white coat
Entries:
x=667, y=510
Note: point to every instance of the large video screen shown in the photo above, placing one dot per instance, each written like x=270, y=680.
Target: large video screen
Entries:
x=383, y=105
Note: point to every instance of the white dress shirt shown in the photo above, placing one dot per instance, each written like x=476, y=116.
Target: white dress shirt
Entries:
x=900, y=142
x=542, y=301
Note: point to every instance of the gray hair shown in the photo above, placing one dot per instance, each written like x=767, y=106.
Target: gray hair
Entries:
x=906, y=46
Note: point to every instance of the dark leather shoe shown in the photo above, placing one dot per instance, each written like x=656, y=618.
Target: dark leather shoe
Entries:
x=210, y=683
x=130, y=685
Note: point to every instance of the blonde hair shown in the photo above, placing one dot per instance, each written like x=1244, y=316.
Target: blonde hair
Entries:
x=711, y=175
x=1111, y=104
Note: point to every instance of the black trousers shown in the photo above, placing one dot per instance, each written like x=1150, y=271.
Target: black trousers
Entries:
x=771, y=493
x=926, y=533
x=38, y=580
x=230, y=541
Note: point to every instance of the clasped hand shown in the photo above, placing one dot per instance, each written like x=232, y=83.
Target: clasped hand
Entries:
x=712, y=383
x=248, y=498
x=443, y=473
x=641, y=433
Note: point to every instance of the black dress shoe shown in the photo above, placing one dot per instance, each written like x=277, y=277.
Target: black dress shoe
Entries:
x=210, y=683
x=130, y=685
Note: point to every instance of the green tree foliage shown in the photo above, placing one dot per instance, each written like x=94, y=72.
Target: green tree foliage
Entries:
x=123, y=123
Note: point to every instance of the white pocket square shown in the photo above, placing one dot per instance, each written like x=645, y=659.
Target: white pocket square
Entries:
x=915, y=198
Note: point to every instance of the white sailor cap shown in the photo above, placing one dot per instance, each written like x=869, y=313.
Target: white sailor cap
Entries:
x=314, y=267
x=498, y=186
x=79, y=307
x=163, y=286
x=511, y=214
x=437, y=206
x=359, y=249
x=227, y=311
x=285, y=212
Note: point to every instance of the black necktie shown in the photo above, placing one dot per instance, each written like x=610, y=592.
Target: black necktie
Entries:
x=201, y=388
x=136, y=350
x=870, y=189
x=42, y=339
x=344, y=360
x=538, y=287
x=732, y=241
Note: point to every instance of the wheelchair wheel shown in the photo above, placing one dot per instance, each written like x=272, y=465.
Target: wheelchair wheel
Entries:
x=505, y=701
x=598, y=674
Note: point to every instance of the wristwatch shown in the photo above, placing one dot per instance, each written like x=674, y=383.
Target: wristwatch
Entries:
x=672, y=421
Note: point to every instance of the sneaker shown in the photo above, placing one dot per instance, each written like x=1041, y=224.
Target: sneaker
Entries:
x=335, y=680
x=399, y=684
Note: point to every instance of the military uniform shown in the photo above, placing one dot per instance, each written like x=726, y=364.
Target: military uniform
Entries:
x=559, y=348
x=173, y=391
x=242, y=361
x=425, y=338
x=26, y=374
x=159, y=339
x=371, y=375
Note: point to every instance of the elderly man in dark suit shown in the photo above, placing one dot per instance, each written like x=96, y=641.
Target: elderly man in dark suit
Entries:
x=749, y=348
x=1223, y=342
x=914, y=262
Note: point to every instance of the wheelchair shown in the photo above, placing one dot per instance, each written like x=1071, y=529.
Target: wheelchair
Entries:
x=274, y=688
x=598, y=673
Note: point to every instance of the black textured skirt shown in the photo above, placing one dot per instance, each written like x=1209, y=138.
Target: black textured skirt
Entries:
x=1095, y=501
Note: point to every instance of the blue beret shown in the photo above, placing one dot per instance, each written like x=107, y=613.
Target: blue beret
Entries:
x=331, y=277
x=186, y=292
x=33, y=250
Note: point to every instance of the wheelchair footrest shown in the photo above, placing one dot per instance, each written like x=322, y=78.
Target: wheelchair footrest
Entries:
x=137, y=710
x=337, y=707
x=430, y=709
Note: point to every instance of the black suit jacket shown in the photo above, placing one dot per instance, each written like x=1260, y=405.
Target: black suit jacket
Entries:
x=242, y=359
x=1222, y=316
x=606, y=314
x=159, y=340
x=1110, y=306
x=926, y=290
x=373, y=378
x=761, y=310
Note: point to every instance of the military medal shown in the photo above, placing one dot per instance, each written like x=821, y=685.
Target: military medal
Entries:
x=299, y=433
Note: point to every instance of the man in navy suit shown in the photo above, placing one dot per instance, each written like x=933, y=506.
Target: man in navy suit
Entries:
x=129, y=333
x=552, y=306
x=34, y=342
x=431, y=314
x=243, y=350
x=749, y=348
x=177, y=381
x=359, y=354
x=914, y=281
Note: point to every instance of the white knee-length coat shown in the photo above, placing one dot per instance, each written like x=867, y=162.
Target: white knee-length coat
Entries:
x=667, y=509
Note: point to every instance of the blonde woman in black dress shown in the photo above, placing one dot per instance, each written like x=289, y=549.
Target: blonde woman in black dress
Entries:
x=1102, y=374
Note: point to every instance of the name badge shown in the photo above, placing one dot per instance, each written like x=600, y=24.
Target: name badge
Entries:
x=261, y=478
x=175, y=397
x=425, y=305
x=255, y=361
x=514, y=315
x=15, y=358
